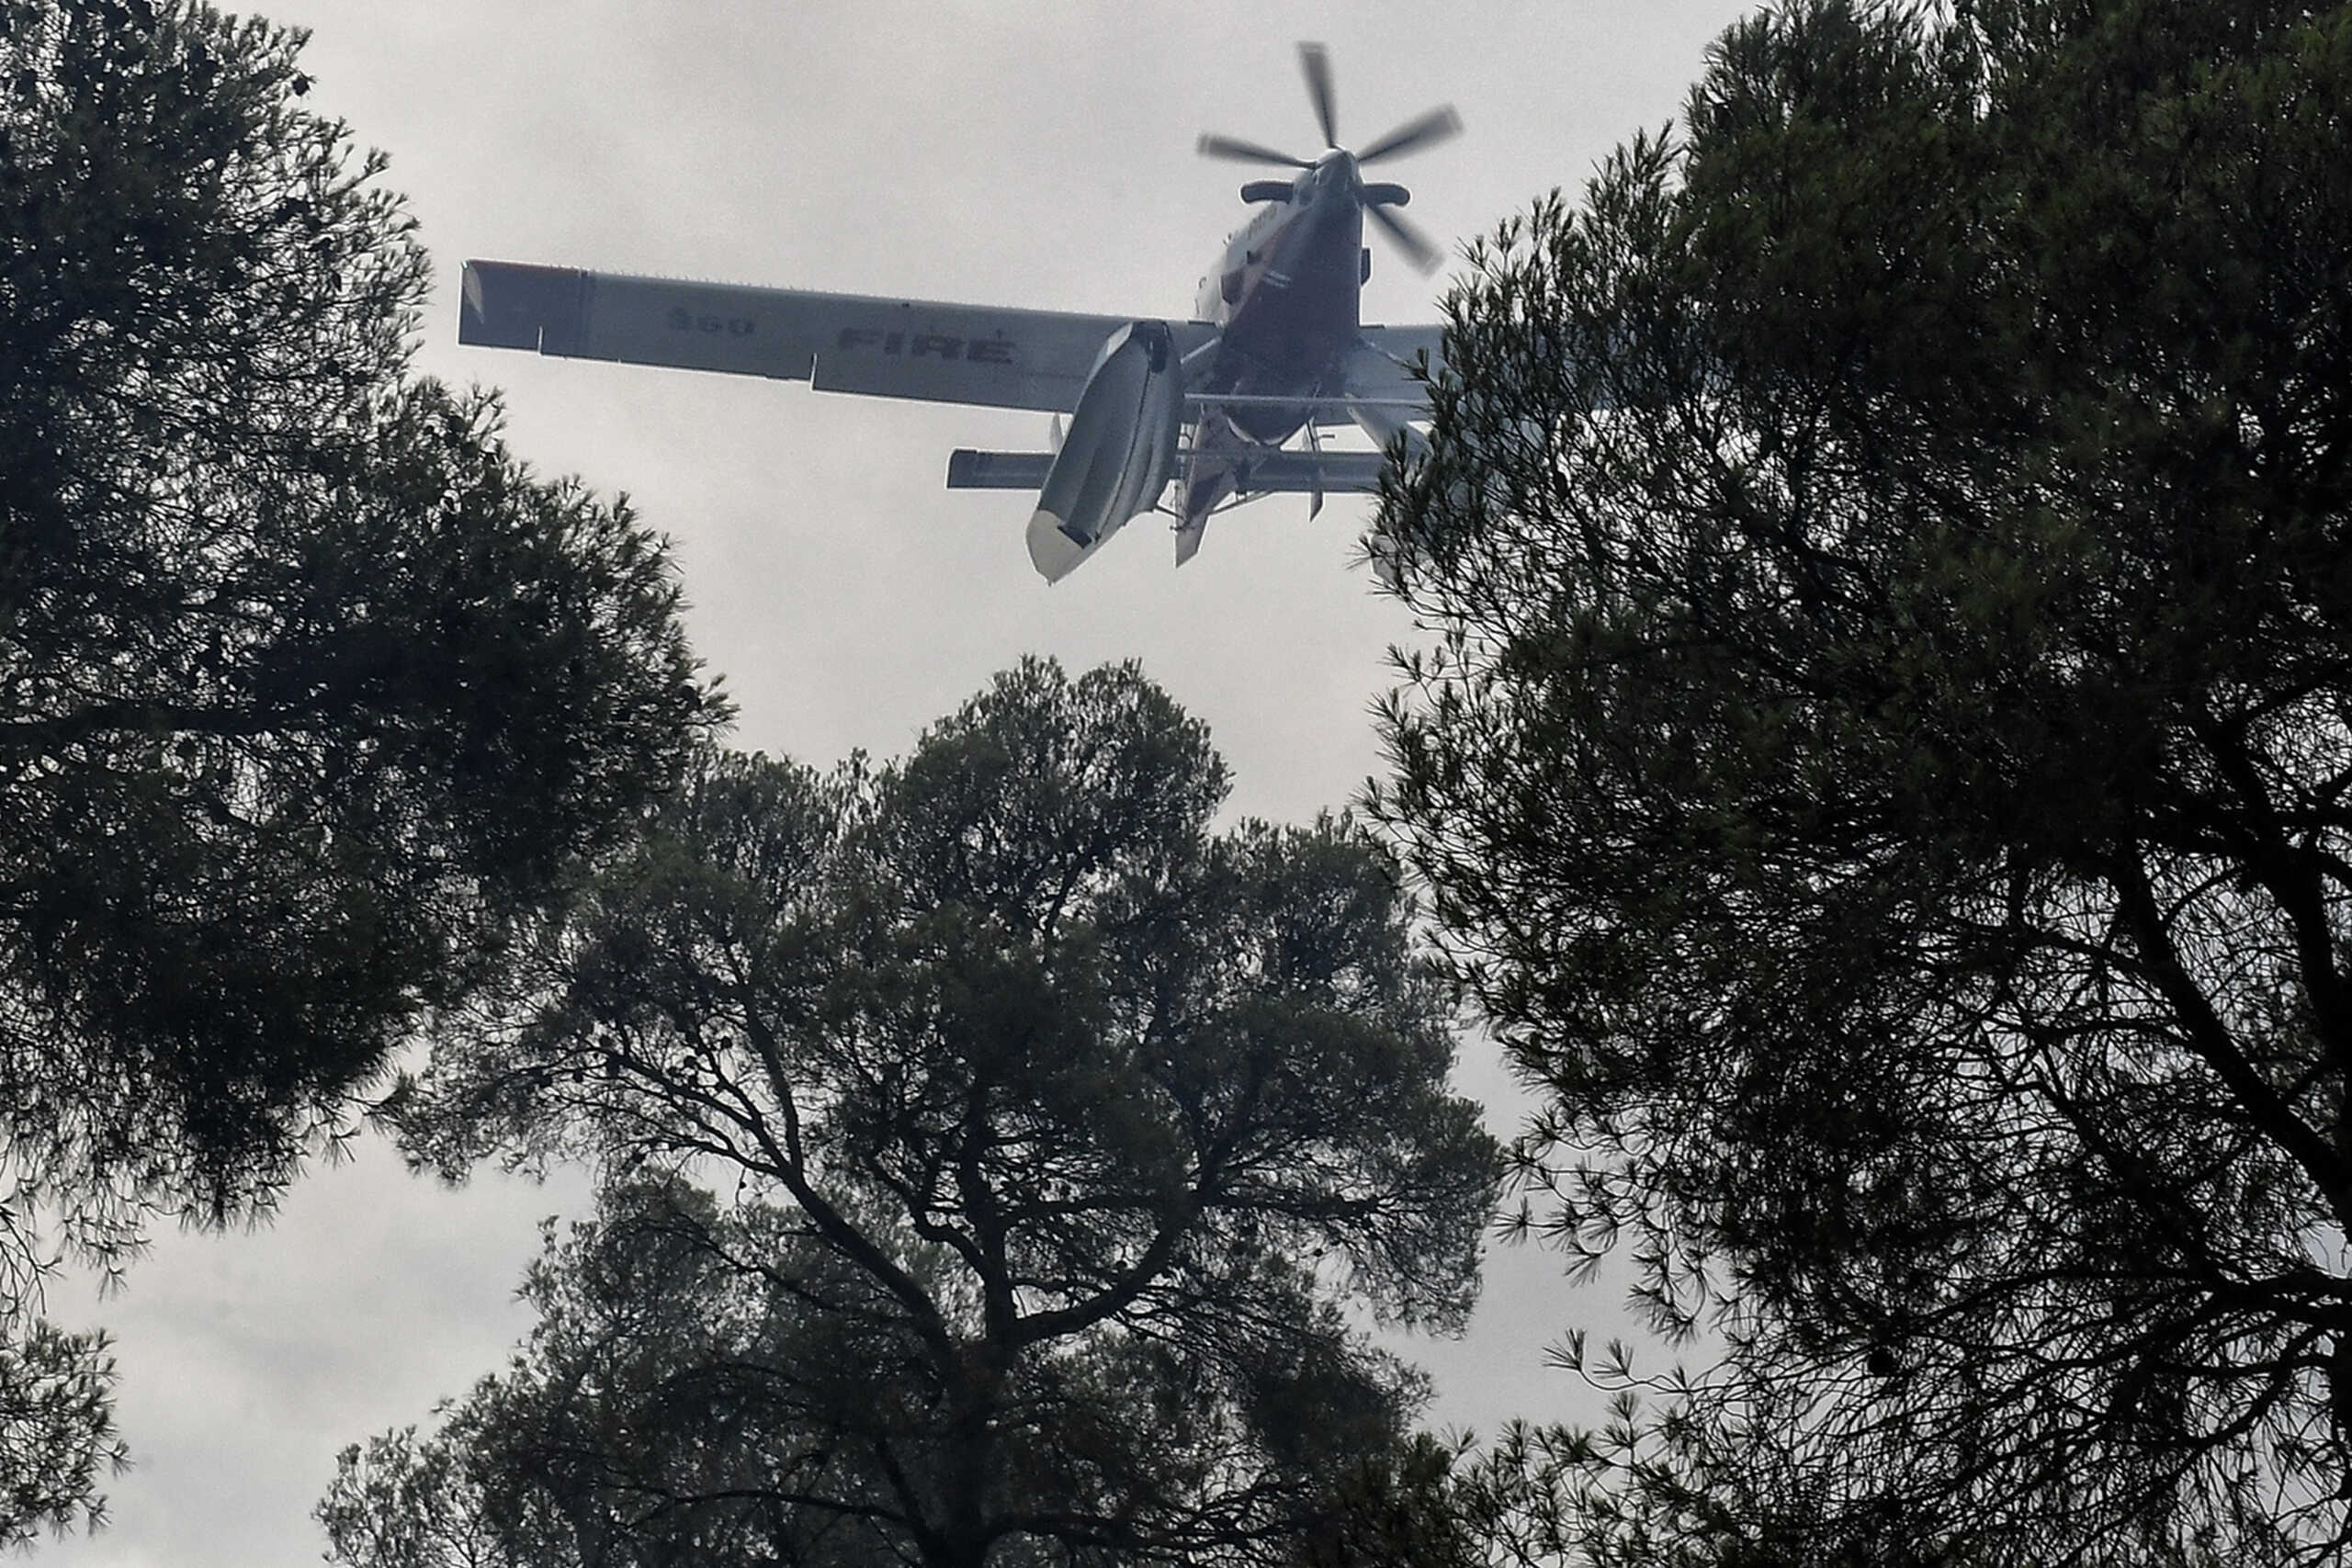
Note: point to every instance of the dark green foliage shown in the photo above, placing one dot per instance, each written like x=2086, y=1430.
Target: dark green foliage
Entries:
x=1694, y=1484
x=1883, y=762
x=56, y=1429
x=306, y=688
x=991, y=1152
x=1407, y=1507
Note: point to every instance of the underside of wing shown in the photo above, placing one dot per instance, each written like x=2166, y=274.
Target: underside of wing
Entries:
x=992, y=355
x=1383, y=373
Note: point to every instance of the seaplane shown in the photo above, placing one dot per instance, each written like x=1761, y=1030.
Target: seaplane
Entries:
x=1189, y=418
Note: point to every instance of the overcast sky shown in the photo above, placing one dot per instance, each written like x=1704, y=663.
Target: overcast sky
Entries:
x=1038, y=154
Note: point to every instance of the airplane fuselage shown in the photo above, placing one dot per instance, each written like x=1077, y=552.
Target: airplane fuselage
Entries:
x=1287, y=296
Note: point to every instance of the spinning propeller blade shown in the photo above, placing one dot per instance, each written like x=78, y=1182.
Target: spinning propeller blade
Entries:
x=1417, y=249
x=1415, y=135
x=1316, y=63
x=1234, y=150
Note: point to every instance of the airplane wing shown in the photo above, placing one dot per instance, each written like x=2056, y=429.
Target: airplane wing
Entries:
x=994, y=355
x=1379, y=369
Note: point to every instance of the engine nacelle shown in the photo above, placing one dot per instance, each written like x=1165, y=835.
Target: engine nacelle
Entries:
x=1120, y=451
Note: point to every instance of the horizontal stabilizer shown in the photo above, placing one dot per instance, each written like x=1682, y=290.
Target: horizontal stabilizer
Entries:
x=1285, y=473
x=967, y=469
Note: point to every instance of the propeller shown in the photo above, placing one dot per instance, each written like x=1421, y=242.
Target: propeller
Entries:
x=1234, y=150
x=1316, y=63
x=1422, y=130
x=1417, y=247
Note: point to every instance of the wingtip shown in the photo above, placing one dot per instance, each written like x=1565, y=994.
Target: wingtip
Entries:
x=518, y=305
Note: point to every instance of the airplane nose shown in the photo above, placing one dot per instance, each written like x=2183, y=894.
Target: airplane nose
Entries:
x=1337, y=178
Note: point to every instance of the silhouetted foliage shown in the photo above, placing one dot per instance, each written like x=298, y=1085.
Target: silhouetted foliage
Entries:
x=992, y=1153
x=1694, y=1482
x=306, y=688
x=1883, y=763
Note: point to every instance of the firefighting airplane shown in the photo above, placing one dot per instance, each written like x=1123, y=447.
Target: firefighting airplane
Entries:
x=1275, y=351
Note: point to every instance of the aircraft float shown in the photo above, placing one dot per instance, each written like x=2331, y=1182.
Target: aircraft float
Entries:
x=1274, y=352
